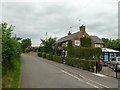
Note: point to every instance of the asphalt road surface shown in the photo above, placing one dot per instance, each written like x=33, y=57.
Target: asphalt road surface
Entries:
x=41, y=73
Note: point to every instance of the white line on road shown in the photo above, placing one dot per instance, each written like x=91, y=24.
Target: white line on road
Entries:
x=72, y=75
x=94, y=82
x=99, y=75
x=78, y=78
x=92, y=85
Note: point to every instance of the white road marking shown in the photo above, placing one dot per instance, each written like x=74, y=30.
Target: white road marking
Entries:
x=72, y=75
x=99, y=75
x=78, y=78
x=92, y=85
x=95, y=82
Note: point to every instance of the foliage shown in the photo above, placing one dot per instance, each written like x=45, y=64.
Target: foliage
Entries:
x=28, y=49
x=113, y=44
x=12, y=77
x=25, y=43
x=48, y=56
x=57, y=58
x=81, y=63
x=10, y=47
x=40, y=54
x=44, y=55
x=48, y=45
x=40, y=49
x=69, y=49
x=11, y=50
x=86, y=53
x=0, y=31
x=85, y=42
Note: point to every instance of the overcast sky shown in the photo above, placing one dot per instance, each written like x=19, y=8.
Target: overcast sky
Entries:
x=33, y=18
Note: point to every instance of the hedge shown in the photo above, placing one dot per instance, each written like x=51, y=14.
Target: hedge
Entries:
x=81, y=63
x=40, y=54
x=44, y=55
x=85, y=53
x=48, y=56
x=57, y=58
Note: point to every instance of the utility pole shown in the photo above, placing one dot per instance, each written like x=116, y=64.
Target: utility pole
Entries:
x=46, y=36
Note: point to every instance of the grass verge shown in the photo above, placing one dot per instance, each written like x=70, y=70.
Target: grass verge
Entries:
x=12, y=77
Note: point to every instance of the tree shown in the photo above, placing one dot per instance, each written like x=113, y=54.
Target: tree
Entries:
x=11, y=48
x=47, y=44
x=105, y=40
x=113, y=44
x=25, y=43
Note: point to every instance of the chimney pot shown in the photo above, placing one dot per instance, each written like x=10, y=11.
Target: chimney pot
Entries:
x=69, y=33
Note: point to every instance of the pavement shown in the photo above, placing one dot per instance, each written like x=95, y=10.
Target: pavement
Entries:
x=41, y=73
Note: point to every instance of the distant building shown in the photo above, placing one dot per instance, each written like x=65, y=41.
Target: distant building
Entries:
x=76, y=39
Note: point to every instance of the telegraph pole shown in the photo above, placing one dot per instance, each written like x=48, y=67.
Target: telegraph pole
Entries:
x=46, y=36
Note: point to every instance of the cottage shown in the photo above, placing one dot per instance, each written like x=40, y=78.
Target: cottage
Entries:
x=76, y=39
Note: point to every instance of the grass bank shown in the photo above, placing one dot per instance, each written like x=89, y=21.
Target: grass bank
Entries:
x=12, y=77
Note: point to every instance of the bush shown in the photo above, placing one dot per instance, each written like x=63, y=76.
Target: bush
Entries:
x=28, y=49
x=11, y=50
x=48, y=56
x=44, y=55
x=81, y=63
x=57, y=58
x=40, y=54
x=51, y=57
x=85, y=53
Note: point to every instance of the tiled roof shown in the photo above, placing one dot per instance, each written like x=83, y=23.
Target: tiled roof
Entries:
x=96, y=39
x=70, y=37
x=66, y=38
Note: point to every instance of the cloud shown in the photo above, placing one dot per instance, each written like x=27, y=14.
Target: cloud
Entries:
x=34, y=18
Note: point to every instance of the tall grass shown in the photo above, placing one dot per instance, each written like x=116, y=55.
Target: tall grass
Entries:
x=11, y=79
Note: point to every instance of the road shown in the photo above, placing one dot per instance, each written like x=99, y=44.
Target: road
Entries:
x=41, y=73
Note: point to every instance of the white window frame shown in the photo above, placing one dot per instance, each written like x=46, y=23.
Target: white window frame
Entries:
x=77, y=42
x=97, y=45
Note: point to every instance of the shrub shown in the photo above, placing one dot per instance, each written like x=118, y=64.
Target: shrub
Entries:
x=51, y=57
x=81, y=63
x=28, y=49
x=86, y=53
x=40, y=54
x=48, y=56
x=44, y=55
x=57, y=58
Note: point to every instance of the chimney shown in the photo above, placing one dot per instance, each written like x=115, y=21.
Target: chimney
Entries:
x=82, y=29
x=69, y=33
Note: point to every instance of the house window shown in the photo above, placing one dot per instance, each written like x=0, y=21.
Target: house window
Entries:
x=77, y=43
x=97, y=45
x=66, y=44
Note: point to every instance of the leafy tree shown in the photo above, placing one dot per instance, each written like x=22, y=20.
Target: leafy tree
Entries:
x=47, y=44
x=25, y=43
x=11, y=48
x=113, y=44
